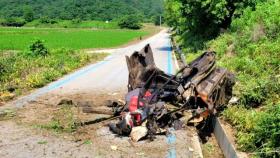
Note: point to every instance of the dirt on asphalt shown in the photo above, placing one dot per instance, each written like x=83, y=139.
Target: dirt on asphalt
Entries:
x=211, y=148
x=43, y=128
x=33, y=132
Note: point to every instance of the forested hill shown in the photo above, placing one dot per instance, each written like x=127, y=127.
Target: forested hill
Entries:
x=80, y=9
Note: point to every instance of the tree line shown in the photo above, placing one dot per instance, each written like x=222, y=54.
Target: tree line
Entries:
x=199, y=21
x=29, y=10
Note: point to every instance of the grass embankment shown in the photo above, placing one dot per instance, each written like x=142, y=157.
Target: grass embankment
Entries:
x=20, y=38
x=21, y=72
x=251, y=49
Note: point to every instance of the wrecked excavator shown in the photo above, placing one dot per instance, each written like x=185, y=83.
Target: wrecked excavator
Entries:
x=156, y=101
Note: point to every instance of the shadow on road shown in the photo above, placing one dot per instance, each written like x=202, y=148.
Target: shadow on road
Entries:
x=165, y=48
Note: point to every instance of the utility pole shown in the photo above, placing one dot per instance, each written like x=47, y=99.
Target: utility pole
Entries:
x=160, y=21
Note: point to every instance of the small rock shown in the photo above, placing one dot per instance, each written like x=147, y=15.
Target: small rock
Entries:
x=113, y=147
x=140, y=154
x=113, y=94
x=3, y=114
x=138, y=132
x=65, y=102
x=233, y=100
x=191, y=149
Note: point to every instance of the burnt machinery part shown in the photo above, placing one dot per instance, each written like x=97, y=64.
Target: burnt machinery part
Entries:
x=200, y=81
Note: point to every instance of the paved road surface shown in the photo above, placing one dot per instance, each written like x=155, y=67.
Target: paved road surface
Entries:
x=112, y=74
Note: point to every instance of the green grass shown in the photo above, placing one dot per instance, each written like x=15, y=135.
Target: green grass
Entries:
x=43, y=142
x=7, y=114
x=20, y=38
x=73, y=24
x=21, y=72
x=98, y=25
x=258, y=130
x=63, y=120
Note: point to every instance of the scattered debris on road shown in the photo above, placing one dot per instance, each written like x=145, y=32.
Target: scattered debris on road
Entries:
x=157, y=101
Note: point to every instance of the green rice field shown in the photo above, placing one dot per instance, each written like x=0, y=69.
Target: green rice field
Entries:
x=73, y=24
x=72, y=38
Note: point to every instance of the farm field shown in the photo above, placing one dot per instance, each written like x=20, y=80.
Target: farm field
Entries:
x=74, y=24
x=20, y=38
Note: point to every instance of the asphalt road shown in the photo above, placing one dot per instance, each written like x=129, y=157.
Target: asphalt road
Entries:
x=112, y=74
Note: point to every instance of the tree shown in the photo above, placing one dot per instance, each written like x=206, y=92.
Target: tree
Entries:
x=47, y=20
x=28, y=14
x=14, y=22
x=130, y=22
x=173, y=13
x=83, y=9
x=199, y=21
x=158, y=20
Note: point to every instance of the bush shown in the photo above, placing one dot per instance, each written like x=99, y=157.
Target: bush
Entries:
x=47, y=20
x=13, y=22
x=76, y=21
x=130, y=22
x=258, y=131
x=38, y=48
x=2, y=21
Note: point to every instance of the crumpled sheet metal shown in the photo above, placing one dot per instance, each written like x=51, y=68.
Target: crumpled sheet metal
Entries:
x=200, y=86
x=200, y=79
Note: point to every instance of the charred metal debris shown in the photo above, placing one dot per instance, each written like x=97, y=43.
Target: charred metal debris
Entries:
x=157, y=101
